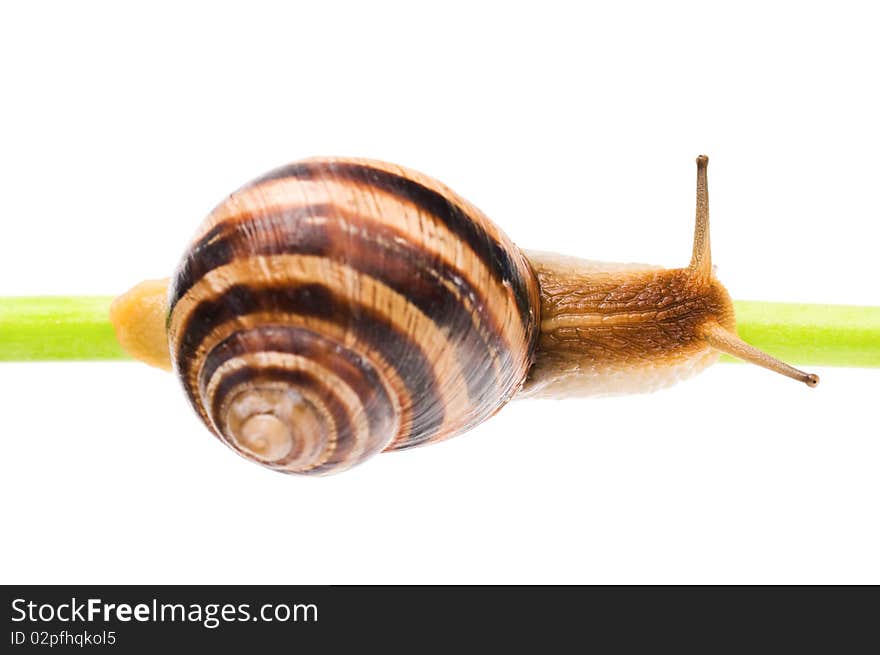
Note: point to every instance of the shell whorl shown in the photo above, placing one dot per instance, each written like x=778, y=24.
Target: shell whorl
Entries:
x=334, y=308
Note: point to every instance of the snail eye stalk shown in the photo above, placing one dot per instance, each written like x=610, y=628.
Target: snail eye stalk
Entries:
x=700, y=268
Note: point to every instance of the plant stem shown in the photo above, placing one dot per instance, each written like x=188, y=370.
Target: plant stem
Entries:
x=77, y=329
x=55, y=328
x=812, y=335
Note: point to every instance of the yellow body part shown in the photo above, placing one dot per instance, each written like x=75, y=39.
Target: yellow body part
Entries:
x=138, y=317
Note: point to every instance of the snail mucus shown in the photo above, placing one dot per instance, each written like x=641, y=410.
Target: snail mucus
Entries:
x=335, y=308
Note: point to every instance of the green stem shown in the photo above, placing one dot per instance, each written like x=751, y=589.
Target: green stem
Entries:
x=812, y=335
x=56, y=328
x=78, y=329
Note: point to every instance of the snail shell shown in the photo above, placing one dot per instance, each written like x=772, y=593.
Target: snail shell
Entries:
x=335, y=308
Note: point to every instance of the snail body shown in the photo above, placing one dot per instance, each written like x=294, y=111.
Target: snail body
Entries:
x=335, y=308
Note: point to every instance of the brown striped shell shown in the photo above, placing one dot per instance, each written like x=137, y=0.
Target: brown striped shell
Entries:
x=335, y=308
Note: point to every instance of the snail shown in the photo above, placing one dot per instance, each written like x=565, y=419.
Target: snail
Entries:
x=335, y=308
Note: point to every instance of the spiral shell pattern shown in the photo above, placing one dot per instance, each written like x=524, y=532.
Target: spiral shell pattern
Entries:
x=335, y=308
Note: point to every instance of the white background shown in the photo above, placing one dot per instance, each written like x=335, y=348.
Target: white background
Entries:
x=575, y=129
